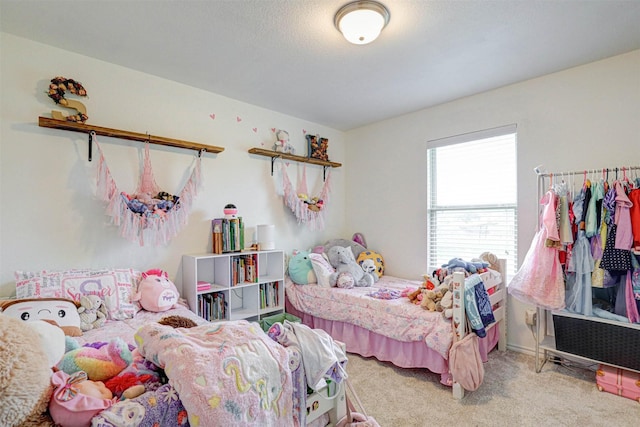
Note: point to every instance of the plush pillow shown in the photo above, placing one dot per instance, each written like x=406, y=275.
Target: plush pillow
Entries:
x=322, y=268
x=115, y=287
x=377, y=259
x=300, y=269
x=59, y=311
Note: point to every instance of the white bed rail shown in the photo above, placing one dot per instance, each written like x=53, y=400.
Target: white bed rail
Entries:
x=498, y=298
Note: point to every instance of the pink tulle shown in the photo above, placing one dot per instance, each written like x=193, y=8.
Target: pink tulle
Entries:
x=145, y=229
x=539, y=280
x=313, y=219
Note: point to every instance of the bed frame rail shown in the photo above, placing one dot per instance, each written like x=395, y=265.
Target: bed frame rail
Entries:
x=498, y=298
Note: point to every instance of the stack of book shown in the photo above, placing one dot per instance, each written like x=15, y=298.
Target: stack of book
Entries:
x=244, y=269
x=269, y=295
x=212, y=306
x=227, y=235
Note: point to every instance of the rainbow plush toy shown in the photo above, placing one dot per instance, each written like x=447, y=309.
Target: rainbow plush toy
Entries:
x=100, y=364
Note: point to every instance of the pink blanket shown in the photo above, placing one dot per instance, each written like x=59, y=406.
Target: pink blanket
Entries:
x=227, y=373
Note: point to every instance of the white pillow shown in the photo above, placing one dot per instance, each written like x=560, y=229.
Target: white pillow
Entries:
x=322, y=268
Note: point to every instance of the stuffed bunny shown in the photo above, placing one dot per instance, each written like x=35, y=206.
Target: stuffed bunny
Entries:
x=92, y=311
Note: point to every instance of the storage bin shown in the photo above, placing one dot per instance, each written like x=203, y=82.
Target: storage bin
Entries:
x=602, y=340
x=267, y=322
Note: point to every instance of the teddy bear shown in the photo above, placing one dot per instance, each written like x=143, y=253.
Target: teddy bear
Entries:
x=92, y=311
x=431, y=297
x=445, y=305
x=342, y=259
x=282, y=142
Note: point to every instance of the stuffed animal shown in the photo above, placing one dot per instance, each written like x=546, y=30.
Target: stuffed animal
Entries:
x=24, y=367
x=93, y=312
x=76, y=399
x=431, y=297
x=470, y=266
x=58, y=311
x=415, y=296
x=300, y=268
x=100, y=364
x=282, y=142
x=356, y=248
x=156, y=292
x=342, y=259
x=445, y=305
x=372, y=263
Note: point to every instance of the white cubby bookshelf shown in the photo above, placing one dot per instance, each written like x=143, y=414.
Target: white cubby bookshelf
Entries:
x=230, y=275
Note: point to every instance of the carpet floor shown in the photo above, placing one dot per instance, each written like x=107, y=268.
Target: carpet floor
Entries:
x=512, y=394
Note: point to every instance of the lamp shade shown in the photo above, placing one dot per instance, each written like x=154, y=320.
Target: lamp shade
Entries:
x=361, y=22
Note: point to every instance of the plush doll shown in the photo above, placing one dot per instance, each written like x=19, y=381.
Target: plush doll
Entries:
x=415, y=296
x=300, y=268
x=156, y=292
x=282, y=142
x=445, y=305
x=429, y=299
x=93, y=312
x=24, y=366
x=76, y=399
x=100, y=364
x=372, y=263
x=342, y=259
x=58, y=311
x=428, y=282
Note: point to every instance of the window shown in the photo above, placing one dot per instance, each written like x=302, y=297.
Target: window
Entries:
x=472, y=200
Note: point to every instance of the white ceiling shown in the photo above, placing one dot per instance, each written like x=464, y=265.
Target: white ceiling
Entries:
x=286, y=55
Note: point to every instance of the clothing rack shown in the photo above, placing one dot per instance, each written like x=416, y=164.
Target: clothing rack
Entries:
x=546, y=346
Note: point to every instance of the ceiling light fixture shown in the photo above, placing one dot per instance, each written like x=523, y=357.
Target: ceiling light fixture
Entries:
x=360, y=22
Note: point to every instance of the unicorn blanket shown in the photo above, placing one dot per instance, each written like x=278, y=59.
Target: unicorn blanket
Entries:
x=227, y=373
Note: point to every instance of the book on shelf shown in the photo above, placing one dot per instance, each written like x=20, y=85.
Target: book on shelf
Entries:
x=228, y=235
x=244, y=269
x=216, y=232
x=212, y=306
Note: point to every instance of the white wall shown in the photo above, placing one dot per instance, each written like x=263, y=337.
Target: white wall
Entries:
x=583, y=118
x=50, y=217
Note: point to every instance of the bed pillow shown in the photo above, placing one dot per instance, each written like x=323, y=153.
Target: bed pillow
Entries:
x=377, y=259
x=115, y=287
x=322, y=268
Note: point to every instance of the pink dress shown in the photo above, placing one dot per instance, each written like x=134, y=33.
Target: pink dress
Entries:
x=539, y=280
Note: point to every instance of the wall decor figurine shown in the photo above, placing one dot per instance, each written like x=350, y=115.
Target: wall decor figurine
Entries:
x=59, y=85
x=282, y=144
x=317, y=147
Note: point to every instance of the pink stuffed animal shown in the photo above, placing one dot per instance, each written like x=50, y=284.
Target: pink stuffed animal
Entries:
x=156, y=292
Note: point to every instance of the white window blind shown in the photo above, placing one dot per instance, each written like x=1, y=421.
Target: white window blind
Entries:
x=472, y=200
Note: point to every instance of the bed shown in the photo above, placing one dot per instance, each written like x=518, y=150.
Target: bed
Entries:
x=319, y=408
x=394, y=330
x=214, y=373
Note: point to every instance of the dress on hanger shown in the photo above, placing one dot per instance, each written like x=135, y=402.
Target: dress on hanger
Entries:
x=539, y=280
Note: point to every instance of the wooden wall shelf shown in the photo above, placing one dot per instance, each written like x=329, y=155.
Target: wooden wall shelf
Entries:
x=276, y=154
x=123, y=134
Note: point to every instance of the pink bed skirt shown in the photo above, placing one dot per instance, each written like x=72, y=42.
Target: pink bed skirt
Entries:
x=414, y=354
